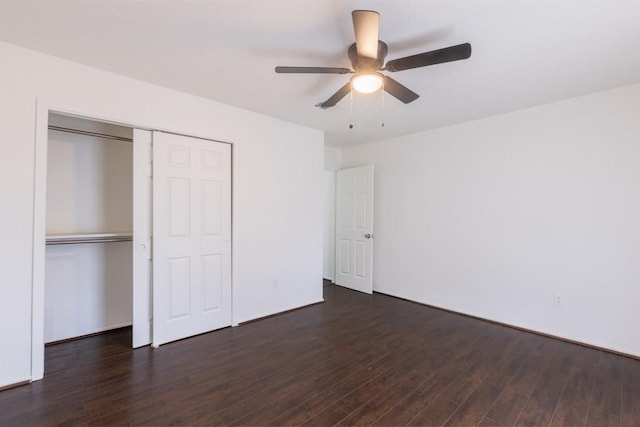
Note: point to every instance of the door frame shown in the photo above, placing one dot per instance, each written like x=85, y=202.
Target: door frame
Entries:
x=329, y=210
x=43, y=108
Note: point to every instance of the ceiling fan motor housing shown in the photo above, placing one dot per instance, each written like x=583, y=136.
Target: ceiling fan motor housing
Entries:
x=364, y=64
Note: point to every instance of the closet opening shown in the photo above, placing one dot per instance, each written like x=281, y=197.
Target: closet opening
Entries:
x=88, y=280
x=102, y=188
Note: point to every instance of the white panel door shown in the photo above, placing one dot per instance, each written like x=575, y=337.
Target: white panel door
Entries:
x=141, y=237
x=191, y=236
x=354, y=228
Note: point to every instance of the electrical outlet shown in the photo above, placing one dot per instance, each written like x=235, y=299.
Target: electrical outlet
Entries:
x=275, y=283
x=557, y=299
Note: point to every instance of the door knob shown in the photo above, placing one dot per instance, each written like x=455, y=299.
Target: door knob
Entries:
x=367, y=236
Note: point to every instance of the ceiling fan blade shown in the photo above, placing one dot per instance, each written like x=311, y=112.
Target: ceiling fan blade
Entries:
x=313, y=70
x=366, y=24
x=399, y=91
x=448, y=54
x=336, y=97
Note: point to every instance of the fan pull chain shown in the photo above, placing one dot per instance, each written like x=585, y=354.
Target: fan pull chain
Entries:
x=351, y=108
x=382, y=102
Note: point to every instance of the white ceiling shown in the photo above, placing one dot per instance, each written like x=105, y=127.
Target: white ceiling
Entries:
x=525, y=53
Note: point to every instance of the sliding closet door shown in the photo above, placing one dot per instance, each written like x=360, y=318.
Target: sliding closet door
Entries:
x=141, y=237
x=191, y=236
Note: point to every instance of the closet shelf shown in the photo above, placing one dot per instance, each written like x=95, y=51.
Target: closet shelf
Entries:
x=70, y=239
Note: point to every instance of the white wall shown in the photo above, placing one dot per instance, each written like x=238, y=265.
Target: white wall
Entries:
x=88, y=287
x=329, y=214
x=494, y=217
x=277, y=180
x=332, y=158
x=89, y=179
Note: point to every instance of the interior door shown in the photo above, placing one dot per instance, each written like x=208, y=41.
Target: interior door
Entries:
x=141, y=237
x=354, y=228
x=191, y=236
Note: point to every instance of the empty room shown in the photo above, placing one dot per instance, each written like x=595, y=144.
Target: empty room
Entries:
x=320, y=212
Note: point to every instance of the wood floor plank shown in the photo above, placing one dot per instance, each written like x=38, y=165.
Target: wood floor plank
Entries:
x=436, y=413
x=299, y=389
x=413, y=403
x=355, y=360
x=542, y=402
x=606, y=392
x=451, y=397
x=475, y=374
x=602, y=419
x=573, y=405
x=490, y=422
x=523, y=378
x=630, y=407
x=380, y=404
x=327, y=417
x=285, y=408
x=313, y=405
x=475, y=408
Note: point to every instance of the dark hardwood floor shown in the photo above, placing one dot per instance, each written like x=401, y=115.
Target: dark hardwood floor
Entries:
x=355, y=360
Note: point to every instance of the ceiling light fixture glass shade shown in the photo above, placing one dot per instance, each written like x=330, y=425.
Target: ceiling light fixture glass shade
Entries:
x=366, y=82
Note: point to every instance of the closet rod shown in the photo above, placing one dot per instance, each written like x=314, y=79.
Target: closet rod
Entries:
x=71, y=239
x=88, y=133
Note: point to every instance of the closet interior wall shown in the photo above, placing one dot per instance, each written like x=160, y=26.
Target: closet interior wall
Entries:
x=88, y=286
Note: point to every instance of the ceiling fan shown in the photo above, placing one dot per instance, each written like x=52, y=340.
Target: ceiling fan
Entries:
x=367, y=56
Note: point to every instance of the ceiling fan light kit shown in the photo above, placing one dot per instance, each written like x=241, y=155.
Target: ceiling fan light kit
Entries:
x=367, y=56
x=366, y=82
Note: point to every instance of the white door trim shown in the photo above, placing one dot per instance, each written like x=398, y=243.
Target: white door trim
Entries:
x=329, y=230
x=43, y=108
